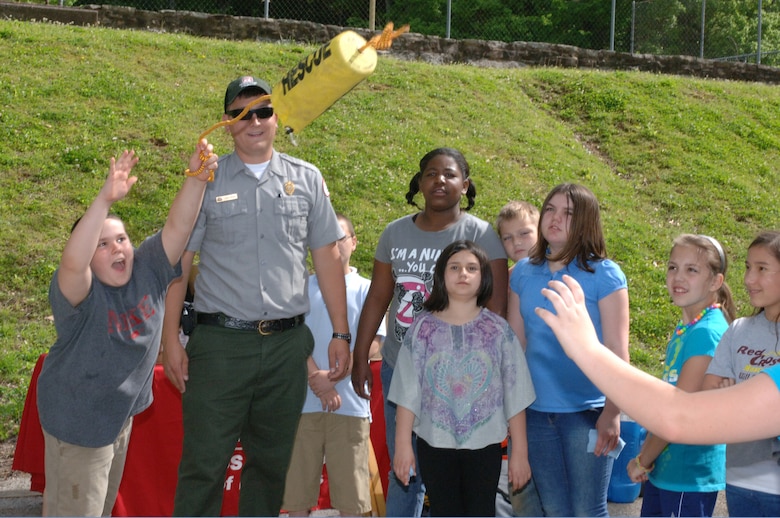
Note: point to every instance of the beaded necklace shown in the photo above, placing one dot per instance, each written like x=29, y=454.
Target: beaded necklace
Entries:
x=681, y=328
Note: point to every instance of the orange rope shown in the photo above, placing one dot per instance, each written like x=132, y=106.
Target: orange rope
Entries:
x=219, y=125
x=384, y=40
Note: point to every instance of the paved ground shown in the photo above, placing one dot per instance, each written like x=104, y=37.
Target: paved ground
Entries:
x=16, y=499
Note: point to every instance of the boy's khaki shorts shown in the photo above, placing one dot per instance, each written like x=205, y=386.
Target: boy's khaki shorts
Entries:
x=341, y=442
x=83, y=481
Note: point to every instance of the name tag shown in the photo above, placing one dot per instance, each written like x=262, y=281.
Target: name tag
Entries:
x=227, y=197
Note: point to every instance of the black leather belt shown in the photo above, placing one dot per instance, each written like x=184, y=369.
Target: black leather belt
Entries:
x=264, y=327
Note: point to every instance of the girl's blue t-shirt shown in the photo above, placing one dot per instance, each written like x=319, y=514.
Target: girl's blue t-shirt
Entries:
x=560, y=385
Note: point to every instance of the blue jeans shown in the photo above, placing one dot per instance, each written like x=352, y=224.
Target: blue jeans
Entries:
x=570, y=481
x=746, y=502
x=660, y=502
x=401, y=500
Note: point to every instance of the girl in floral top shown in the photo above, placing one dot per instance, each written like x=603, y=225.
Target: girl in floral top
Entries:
x=460, y=377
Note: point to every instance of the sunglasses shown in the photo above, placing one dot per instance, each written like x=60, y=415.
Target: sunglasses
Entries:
x=265, y=112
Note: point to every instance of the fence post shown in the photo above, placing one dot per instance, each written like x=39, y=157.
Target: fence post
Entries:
x=612, y=28
x=371, y=15
x=449, y=17
x=701, y=41
x=758, y=48
x=633, y=26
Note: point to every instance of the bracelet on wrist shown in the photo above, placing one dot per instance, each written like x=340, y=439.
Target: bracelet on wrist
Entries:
x=343, y=336
x=641, y=467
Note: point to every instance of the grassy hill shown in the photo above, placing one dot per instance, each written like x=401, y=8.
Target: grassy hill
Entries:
x=665, y=155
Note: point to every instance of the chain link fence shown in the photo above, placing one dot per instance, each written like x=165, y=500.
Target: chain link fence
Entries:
x=737, y=30
x=743, y=30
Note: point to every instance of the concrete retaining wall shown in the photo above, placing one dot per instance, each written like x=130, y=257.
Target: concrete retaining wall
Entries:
x=409, y=46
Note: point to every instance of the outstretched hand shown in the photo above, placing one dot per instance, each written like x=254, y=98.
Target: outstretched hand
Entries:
x=203, y=161
x=571, y=322
x=119, y=181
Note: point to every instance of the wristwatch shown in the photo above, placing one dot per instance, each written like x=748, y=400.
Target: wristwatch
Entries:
x=343, y=336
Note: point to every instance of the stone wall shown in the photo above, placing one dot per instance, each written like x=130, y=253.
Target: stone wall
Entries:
x=409, y=46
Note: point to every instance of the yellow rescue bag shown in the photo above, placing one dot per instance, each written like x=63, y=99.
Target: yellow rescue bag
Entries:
x=321, y=79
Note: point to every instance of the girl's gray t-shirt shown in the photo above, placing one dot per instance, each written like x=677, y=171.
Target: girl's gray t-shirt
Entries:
x=748, y=346
x=412, y=253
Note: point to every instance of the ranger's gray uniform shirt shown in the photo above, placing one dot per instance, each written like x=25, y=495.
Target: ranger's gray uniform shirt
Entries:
x=254, y=235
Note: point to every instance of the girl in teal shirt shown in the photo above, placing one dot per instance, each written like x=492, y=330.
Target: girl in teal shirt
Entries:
x=684, y=480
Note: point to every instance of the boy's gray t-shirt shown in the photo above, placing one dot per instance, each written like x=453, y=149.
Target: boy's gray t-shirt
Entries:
x=99, y=371
x=412, y=254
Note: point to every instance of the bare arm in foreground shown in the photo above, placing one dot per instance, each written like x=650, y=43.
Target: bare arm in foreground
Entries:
x=745, y=412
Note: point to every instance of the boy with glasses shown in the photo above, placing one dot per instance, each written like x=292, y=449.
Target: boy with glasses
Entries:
x=335, y=424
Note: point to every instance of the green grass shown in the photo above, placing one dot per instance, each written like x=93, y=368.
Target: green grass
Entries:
x=664, y=155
